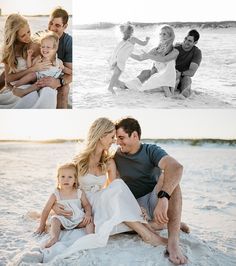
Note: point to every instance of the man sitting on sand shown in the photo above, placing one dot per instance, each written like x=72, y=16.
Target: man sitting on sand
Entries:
x=137, y=163
x=187, y=62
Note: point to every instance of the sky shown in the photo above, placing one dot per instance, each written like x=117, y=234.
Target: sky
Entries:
x=30, y=7
x=74, y=124
x=119, y=11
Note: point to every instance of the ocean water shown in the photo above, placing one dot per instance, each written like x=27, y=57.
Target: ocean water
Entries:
x=27, y=172
x=216, y=76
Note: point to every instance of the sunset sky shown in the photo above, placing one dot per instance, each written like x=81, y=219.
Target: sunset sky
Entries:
x=74, y=124
x=29, y=7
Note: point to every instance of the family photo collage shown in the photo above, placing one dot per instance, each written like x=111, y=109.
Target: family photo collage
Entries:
x=117, y=133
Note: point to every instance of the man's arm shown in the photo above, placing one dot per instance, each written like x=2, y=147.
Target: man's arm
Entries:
x=191, y=71
x=172, y=176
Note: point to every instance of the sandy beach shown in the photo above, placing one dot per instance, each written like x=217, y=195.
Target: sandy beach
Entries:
x=213, y=84
x=27, y=173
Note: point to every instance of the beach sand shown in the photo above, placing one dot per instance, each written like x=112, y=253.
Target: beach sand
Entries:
x=27, y=172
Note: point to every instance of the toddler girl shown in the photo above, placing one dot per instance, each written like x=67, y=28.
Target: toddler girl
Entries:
x=73, y=199
x=121, y=53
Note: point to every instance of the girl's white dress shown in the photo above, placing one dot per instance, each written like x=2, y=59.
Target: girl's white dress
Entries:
x=111, y=206
x=121, y=53
x=45, y=98
x=73, y=205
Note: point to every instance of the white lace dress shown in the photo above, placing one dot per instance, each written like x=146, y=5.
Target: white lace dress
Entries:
x=73, y=205
x=111, y=206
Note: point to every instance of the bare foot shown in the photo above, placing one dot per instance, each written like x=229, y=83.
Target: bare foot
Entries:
x=51, y=242
x=175, y=254
x=155, y=240
x=185, y=228
x=112, y=91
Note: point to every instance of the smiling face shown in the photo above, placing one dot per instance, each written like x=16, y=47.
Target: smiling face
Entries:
x=23, y=34
x=128, y=144
x=66, y=178
x=107, y=140
x=188, y=43
x=48, y=49
x=56, y=25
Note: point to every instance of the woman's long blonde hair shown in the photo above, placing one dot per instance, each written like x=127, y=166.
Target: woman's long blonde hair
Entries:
x=100, y=128
x=14, y=23
x=166, y=46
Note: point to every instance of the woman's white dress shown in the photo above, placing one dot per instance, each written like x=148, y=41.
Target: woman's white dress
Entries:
x=73, y=205
x=166, y=76
x=111, y=206
x=120, y=55
x=45, y=98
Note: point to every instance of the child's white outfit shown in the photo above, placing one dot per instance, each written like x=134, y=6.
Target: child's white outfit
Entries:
x=121, y=53
x=73, y=205
x=53, y=71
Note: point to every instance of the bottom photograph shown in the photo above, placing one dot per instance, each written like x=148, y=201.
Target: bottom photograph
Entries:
x=112, y=190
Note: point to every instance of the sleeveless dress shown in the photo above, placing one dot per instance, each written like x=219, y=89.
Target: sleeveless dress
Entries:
x=73, y=205
x=45, y=98
x=120, y=55
x=111, y=206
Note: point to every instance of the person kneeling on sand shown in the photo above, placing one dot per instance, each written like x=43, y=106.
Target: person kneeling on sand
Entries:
x=73, y=199
x=187, y=63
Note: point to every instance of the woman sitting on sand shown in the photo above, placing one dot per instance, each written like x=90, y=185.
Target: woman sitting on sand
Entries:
x=163, y=74
x=17, y=38
x=107, y=194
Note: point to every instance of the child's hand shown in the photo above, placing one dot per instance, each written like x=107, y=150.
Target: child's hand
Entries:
x=87, y=219
x=30, y=52
x=40, y=230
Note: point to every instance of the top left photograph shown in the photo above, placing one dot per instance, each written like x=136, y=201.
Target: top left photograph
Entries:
x=36, y=54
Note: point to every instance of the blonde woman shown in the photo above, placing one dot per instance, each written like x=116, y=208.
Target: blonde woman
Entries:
x=17, y=37
x=163, y=74
x=112, y=201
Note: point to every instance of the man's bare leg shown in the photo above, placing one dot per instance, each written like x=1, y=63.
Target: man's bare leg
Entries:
x=146, y=234
x=185, y=86
x=62, y=97
x=174, y=213
x=54, y=232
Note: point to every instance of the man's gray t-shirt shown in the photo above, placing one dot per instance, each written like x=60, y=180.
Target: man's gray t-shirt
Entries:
x=140, y=170
x=64, y=51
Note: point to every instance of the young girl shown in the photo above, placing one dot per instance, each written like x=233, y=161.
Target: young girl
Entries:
x=48, y=53
x=74, y=199
x=121, y=53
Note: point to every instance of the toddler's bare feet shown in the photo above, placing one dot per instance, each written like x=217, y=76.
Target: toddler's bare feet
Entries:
x=112, y=91
x=51, y=242
x=185, y=228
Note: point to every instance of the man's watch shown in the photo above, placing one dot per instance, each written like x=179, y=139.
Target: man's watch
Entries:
x=162, y=194
x=62, y=81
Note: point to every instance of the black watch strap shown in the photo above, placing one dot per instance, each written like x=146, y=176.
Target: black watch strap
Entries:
x=162, y=194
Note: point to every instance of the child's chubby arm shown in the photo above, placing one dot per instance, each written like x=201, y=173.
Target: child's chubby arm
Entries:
x=29, y=58
x=87, y=209
x=140, y=42
x=46, y=210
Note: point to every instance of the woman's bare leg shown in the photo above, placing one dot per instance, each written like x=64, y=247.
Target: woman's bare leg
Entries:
x=146, y=234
